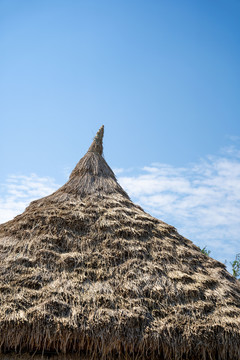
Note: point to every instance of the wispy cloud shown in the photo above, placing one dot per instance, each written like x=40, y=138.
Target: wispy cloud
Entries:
x=18, y=191
x=202, y=200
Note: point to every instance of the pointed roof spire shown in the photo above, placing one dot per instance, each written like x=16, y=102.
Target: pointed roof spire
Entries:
x=89, y=240
x=97, y=144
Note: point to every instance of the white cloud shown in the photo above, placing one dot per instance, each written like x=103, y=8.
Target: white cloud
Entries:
x=202, y=200
x=18, y=191
x=118, y=171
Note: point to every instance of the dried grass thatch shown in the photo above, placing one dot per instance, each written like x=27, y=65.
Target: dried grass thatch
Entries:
x=87, y=273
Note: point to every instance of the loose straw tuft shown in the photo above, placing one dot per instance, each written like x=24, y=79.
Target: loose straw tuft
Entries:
x=97, y=144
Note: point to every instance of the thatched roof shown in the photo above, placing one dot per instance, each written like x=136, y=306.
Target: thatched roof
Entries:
x=86, y=271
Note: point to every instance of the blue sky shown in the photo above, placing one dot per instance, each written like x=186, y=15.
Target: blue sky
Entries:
x=164, y=79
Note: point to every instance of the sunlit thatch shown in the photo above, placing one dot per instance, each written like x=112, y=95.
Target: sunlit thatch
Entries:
x=86, y=272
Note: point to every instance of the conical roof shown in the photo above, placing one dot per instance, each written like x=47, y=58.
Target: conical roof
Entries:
x=86, y=272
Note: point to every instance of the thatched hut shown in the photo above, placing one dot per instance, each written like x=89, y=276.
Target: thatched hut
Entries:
x=86, y=273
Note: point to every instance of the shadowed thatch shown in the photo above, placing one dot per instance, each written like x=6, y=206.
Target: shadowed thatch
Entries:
x=86, y=272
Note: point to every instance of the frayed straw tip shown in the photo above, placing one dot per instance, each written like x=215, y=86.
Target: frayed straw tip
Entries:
x=97, y=144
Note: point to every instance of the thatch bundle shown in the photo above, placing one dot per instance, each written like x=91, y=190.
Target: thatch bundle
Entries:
x=87, y=273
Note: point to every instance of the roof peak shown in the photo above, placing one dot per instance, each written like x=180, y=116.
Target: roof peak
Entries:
x=97, y=144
